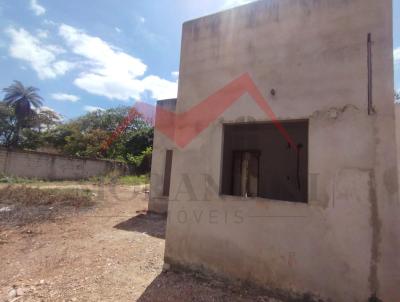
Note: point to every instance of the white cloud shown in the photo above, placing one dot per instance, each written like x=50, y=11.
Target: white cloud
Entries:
x=111, y=72
x=396, y=55
x=49, y=22
x=117, y=29
x=92, y=108
x=61, y=67
x=142, y=19
x=42, y=34
x=233, y=3
x=118, y=88
x=41, y=57
x=105, y=59
x=37, y=8
x=65, y=97
x=159, y=88
x=175, y=74
x=45, y=108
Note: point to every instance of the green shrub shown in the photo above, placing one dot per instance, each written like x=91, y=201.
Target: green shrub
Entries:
x=141, y=162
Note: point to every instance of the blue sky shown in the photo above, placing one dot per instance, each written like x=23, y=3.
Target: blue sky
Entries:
x=84, y=55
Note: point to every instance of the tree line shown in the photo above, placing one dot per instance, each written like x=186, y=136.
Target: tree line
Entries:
x=26, y=124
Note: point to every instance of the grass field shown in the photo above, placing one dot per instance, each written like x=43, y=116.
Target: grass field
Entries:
x=129, y=180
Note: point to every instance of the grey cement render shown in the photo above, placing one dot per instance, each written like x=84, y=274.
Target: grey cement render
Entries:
x=158, y=203
x=344, y=243
x=47, y=166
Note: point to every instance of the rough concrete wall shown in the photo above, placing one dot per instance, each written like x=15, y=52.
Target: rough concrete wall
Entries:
x=344, y=243
x=159, y=203
x=397, y=131
x=54, y=167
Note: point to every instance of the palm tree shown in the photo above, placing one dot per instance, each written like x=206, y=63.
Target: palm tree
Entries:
x=22, y=99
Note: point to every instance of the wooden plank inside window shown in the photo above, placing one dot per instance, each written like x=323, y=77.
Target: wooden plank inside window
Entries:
x=245, y=173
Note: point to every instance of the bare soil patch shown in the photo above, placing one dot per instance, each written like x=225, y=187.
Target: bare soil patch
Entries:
x=22, y=205
x=111, y=251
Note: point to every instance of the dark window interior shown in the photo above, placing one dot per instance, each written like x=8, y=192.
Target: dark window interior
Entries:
x=258, y=161
x=167, y=172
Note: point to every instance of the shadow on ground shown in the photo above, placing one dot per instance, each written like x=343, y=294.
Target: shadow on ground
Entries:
x=149, y=223
x=171, y=286
x=189, y=286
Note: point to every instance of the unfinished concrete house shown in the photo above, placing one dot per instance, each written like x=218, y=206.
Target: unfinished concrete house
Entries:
x=280, y=164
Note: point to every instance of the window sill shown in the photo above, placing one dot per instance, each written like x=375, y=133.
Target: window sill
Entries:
x=260, y=199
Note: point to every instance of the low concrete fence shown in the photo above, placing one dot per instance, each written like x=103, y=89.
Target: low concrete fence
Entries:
x=31, y=164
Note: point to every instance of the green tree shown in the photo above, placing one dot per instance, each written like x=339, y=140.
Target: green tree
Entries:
x=140, y=140
x=30, y=139
x=23, y=100
x=86, y=144
x=7, y=124
x=56, y=137
x=87, y=134
x=45, y=119
x=141, y=162
x=110, y=119
x=77, y=136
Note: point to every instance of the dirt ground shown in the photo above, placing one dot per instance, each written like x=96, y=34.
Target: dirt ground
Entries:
x=112, y=252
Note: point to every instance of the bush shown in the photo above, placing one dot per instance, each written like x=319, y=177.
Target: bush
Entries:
x=141, y=162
